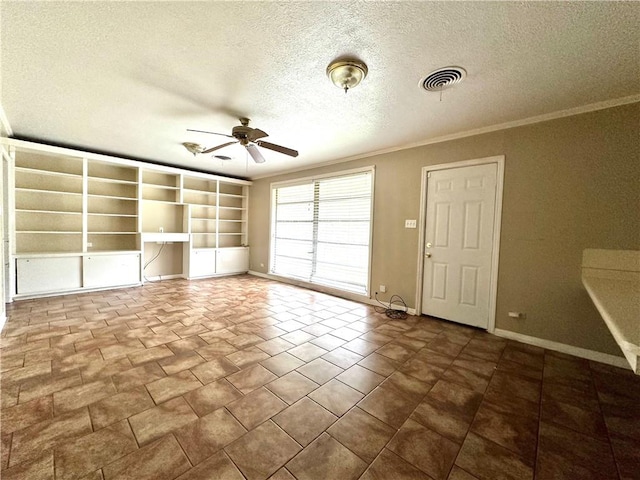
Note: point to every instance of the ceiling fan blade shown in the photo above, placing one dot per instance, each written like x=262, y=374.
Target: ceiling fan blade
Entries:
x=255, y=154
x=211, y=133
x=278, y=148
x=212, y=149
x=255, y=134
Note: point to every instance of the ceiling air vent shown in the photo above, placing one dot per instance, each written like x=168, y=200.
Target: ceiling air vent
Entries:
x=443, y=78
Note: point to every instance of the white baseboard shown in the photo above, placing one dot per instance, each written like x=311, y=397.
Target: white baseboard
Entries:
x=33, y=296
x=158, y=278
x=3, y=320
x=564, y=348
x=327, y=290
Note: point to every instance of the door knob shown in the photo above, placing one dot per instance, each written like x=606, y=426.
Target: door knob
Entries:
x=428, y=255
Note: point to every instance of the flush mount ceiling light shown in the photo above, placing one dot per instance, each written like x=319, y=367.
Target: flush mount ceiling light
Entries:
x=443, y=78
x=347, y=74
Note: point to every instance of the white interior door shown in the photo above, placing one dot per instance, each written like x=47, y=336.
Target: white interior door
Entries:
x=460, y=215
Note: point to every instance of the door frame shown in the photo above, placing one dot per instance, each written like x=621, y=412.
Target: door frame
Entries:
x=497, y=223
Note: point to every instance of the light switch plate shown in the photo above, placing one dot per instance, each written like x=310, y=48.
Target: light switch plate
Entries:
x=409, y=224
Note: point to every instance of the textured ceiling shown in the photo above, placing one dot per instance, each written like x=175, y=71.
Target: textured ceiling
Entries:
x=129, y=78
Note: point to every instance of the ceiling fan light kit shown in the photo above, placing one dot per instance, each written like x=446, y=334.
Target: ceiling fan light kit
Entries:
x=246, y=136
x=347, y=74
x=194, y=148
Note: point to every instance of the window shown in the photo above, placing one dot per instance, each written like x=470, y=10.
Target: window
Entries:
x=321, y=230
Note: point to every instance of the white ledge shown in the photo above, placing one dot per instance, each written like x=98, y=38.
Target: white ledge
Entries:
x=164, y=237
x=612, y=279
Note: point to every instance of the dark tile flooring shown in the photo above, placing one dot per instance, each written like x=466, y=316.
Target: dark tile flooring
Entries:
x=242, y=377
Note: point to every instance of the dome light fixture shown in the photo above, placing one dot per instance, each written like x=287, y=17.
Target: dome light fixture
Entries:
x=347, y=74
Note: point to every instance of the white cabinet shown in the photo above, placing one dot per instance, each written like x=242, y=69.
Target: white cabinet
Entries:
x=111, y=270
x=48, y=274
x=41, y=275
x=232, y=260
x=207, y=262
x=202, y=262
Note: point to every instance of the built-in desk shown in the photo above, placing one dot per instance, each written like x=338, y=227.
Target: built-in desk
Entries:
x=612, y=279
x=164, y=237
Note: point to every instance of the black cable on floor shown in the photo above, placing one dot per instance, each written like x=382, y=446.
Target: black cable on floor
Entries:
x=389, y=311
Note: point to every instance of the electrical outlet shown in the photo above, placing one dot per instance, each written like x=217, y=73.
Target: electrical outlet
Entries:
x=410, y=224
x=383, y=289
x=89, y=244
x=161, y=229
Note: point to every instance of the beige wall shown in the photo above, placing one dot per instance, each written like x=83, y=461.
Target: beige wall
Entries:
x=570, y=184
x=169, y=262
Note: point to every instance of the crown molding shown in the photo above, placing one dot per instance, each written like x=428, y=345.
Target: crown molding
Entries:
x=592, y=107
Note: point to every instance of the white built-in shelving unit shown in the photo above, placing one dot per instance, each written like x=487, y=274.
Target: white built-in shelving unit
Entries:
x=48, y=203
x=82, y=221
x=112, y=207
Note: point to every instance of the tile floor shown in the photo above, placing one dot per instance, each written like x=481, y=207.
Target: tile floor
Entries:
x=241, y=377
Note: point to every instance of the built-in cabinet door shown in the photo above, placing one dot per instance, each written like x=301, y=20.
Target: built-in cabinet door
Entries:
x=52, y=274
x=202, y=262
x=111, y=270
x=232, y=260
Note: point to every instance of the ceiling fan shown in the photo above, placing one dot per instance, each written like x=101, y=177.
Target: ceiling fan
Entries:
x=244, y=135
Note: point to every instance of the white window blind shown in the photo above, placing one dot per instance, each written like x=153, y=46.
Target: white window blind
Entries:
x=321, y=231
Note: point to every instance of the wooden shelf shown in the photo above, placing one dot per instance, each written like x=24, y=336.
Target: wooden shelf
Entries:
x=112, y=180
x=200, y=192
x=98, y=214
x=37, y=171
x=164, y=237
x=42, y=190
x=56, y=212
x=199, y=205
x=115, y=197
x=160, y=187
x=49, y=232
